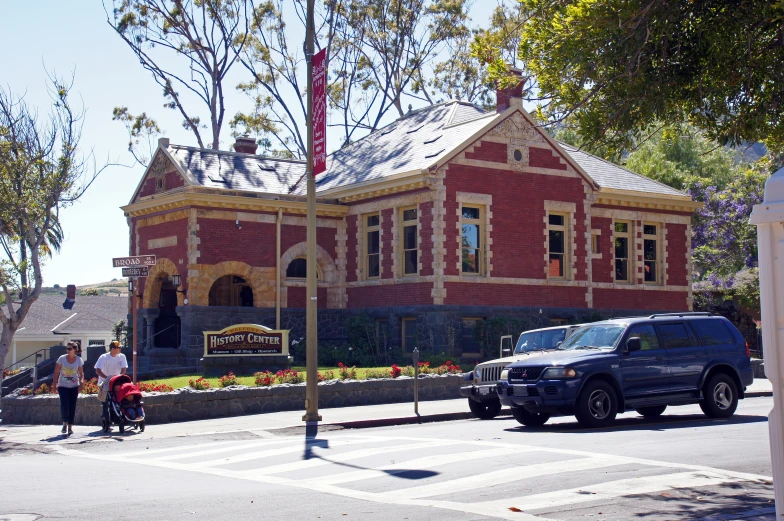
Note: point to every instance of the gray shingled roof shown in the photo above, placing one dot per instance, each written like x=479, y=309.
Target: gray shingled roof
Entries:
x=413, y=142
x=98, y=313
x=235, y=171
x=610, y=175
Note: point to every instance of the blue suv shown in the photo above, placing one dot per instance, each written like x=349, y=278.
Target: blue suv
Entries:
x=642, y=364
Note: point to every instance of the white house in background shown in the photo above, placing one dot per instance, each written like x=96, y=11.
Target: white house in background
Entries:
x=90, y=320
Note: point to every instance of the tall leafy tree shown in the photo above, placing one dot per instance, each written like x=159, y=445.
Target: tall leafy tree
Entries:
x=189, y=48
x=42, y=171
x=617, y=66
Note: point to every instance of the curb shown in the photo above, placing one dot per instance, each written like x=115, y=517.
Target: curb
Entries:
x=409, y=420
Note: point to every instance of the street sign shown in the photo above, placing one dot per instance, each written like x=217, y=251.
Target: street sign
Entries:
x=141, y=260
x=141, y=271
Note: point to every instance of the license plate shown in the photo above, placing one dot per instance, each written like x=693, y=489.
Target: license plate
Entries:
x=521, y=391
x=484, y=390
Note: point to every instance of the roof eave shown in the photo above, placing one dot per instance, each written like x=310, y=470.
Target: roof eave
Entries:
x=684, y=202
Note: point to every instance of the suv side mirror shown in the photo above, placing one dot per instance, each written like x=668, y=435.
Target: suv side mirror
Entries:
x=633, y=344
x=559, y=344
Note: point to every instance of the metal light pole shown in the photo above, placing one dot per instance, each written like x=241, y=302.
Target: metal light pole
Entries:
x=769, y=218
x=311, y=338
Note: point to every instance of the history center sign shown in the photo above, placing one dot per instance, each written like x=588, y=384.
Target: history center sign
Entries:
x=246, y=340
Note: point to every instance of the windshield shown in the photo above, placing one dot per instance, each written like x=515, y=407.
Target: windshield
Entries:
x=594, y=337
x=538, y=340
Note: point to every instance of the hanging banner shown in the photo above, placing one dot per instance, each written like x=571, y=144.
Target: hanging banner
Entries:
x=320, y=112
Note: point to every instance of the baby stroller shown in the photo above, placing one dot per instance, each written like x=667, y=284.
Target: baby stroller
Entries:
x=125, y=405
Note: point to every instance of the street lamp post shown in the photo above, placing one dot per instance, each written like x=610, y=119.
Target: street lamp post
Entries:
x=311, y=338
x=769, y=218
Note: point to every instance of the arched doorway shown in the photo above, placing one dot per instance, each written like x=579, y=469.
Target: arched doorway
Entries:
x=167, y=324
x=231, y=290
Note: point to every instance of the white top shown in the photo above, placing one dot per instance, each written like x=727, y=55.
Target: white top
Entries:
x=69, y=372
x=110, y=365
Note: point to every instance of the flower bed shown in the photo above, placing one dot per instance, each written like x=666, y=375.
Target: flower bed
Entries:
x=191, y=404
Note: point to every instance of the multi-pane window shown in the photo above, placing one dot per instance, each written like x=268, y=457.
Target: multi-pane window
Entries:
x=373, y=246
x=650, y=240
x=623, y=237
x=556, y=245
x=409, y=240
x=408, y=334
x=471, y=228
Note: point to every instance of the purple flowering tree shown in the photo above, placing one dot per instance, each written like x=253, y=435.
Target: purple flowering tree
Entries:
x=722, y=239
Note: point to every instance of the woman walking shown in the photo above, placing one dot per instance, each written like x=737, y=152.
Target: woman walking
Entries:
x=68, y=379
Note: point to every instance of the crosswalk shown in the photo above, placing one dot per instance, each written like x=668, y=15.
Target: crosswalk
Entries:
x=484, y=477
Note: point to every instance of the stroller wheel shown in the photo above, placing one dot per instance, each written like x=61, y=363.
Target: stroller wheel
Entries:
x=122, y=428
x=141, y=426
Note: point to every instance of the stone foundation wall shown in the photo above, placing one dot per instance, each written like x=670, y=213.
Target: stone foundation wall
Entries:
x=439, y=329
x=188, y=404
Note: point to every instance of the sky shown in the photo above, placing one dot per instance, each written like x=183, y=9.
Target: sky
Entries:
x=73, y=38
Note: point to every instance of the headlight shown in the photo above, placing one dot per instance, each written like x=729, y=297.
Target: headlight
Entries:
x=554, y=373
x=505, y=374
x=478, y=373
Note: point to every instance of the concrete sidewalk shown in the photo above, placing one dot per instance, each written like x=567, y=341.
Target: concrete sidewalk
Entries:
x=260, y=424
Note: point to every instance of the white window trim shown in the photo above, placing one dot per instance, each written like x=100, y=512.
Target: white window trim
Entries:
x=630, y=235
x=485, y=202
x=400, y=255
x=568, y=209
x=658, y=237
x=598, y=234
x=365, y=230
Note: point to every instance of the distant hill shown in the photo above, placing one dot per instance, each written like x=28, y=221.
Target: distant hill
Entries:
x=118, y=287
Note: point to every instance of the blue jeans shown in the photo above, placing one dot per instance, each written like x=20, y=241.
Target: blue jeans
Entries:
x=68, y=396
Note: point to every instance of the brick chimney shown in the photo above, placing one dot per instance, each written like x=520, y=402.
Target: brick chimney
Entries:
x=245, y=145
x=503, y=97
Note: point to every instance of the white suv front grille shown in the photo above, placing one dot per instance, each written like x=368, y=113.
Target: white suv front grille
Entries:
x=491, y=374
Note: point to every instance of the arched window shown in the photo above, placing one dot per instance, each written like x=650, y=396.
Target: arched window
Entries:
x=231, y=290
x=297, y=269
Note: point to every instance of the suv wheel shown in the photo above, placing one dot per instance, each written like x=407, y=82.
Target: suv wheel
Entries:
x=720, y=397
x=529, y=419
x=653, y=411
x=485, y=410
x=597, y=404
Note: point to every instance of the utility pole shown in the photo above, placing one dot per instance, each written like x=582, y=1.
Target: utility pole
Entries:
x=311, y=338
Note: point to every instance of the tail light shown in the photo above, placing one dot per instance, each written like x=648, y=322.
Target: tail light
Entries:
x=748, y=352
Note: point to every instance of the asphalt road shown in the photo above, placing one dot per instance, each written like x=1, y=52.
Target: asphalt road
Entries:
x=681, y=466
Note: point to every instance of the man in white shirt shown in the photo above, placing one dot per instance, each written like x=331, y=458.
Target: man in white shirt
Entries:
x=108, y=365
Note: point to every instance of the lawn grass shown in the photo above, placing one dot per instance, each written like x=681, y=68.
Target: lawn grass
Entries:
x=178, y=382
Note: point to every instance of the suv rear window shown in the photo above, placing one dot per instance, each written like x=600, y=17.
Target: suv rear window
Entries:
x=674, y=335
x=712, y=332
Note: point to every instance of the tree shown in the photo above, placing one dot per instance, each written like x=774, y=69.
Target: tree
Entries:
x=206, y=36
x=380, y=54
x=723, y=241
x=619, y=65
x=42, y=171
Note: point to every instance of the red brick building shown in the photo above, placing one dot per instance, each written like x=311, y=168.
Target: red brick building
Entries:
x=447, y=217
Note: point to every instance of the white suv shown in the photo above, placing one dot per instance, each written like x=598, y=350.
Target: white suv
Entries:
x=481, y=394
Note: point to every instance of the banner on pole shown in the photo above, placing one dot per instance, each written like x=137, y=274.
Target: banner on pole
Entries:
x=319, y=112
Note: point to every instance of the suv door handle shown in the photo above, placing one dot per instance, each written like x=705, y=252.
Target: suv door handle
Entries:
x=659, y=357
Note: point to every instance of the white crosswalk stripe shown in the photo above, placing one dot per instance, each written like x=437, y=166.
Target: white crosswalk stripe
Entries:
x=266, y=461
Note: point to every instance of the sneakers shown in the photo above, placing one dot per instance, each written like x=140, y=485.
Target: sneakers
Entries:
x=62, y=431
x=70, y=431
